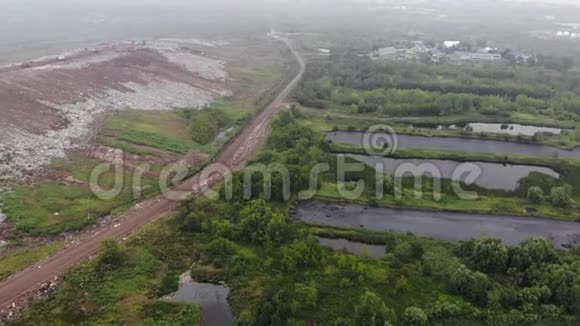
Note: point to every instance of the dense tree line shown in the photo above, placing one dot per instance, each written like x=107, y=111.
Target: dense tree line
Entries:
x=415, y=89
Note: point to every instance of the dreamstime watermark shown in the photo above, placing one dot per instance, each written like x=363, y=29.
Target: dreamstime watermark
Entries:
x=393, y=175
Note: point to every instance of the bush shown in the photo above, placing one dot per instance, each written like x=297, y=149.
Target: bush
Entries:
x=535, y=195
x=206, y=125
x=372, y=311
x=414, y=316
x=260, y=225
x=218, y=251
x=562, y=196
x=408, y=252
x=485, y=255
x=112, y=256
x=470, y=284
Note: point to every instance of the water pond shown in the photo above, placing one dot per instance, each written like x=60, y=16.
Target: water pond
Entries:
x=472, y=145
x=212, y=298
x=439, y=225
x=493, y=176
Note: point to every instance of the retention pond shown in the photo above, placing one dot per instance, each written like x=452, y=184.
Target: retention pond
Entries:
x=213, y=299
x=494, y=176
x=439, y=225
x=472, y=145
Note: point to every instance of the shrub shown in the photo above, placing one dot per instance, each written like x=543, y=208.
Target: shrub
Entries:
x=562, y=196
x=470, y=284
x=112, y=256
x=414, y=316
x=218, y=251
x=372, y=311
x=535, y=195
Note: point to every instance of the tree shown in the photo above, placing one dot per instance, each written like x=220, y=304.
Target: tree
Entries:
x=301, y=255
x=470, y=284
x=535, y=195
x=535, y=251
x=488, y=256
x=192, y=222
x=562, y=196
x=372, y=311
x=408, y=251
x=260, y=225
x=438, y=261
x=219, y=251
x=414, y=316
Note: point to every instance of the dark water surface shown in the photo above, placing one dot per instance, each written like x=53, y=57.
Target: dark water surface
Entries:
x=472, y=145
x=494, y=176
x=212, y=298
x=440, y=225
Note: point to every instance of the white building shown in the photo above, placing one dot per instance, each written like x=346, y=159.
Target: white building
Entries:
x=388, y=51
x=478, y=56
x=450, y=44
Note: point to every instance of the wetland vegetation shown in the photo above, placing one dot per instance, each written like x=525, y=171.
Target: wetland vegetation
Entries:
x=278, y=272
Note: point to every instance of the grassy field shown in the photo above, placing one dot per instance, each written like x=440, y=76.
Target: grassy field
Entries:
x=19, y=258
x=52, y=207
x=192, y=130
x=166, y=131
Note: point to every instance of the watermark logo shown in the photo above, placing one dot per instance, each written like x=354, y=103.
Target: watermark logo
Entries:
x=274, y=181
x=380, y=140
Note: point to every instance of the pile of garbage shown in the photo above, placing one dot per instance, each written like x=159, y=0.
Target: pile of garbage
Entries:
x=43, y=291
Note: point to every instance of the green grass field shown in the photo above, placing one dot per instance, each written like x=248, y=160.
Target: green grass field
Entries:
x=166, y=131
x=20, y=258
x=52, y=207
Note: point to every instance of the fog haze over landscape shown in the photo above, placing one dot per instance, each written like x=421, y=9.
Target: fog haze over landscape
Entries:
x=231, y=162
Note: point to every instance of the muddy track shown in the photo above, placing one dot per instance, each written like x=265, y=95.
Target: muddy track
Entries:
x=21, y=285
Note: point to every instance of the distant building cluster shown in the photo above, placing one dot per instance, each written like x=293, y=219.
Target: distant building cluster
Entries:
x=449, y=51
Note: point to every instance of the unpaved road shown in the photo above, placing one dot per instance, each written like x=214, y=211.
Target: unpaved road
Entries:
x=234, y=156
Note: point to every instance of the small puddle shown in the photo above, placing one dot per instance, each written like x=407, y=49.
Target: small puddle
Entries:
x=215, y=309
x=353, y=247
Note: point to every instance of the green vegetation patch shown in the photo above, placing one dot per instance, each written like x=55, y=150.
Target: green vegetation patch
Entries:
x=18, y=259
x=52, y=207
x=120, y=286
x=279, y=274
x=168, y=131
x=207, y=125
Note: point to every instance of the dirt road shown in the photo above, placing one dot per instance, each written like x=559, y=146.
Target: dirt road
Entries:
x=22, y=284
